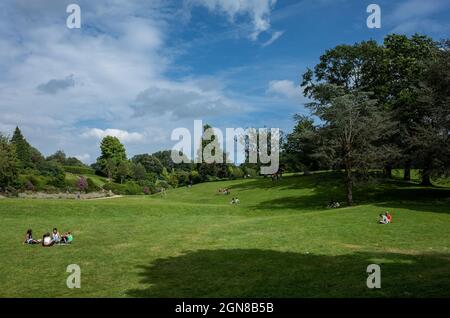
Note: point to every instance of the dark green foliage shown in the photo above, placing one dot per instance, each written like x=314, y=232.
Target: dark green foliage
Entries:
x=22, y=147
x=112, y=154
x=149, y=162
x=139, y=173
x=165, y=158
x=127, y=188
x=9, y=163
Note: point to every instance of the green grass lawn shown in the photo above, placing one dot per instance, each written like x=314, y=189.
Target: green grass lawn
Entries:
x=280, y=241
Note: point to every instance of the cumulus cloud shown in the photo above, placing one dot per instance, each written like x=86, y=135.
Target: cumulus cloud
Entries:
x=181, y=100
x=258, y=11
x=123, y=135
x=53, y=86
x=284, y=88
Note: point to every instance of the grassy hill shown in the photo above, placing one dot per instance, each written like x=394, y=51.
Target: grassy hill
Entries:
x=281, y=241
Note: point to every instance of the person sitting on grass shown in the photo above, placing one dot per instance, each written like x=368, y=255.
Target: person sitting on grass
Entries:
x=67, y=238
x=47, y=240
x=29, y=238
x=388, y=217
x=383, y=219
x=236, y=201
x=232, y=201
x=55, y=236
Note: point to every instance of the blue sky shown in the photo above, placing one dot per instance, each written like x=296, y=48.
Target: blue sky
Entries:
x=139, y=69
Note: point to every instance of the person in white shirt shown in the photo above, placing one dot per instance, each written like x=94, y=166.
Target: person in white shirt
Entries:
x=383, y=219
x=47, y=240
x=55, y=236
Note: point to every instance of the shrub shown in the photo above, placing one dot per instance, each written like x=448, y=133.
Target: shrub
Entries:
x=147, y=185
x=250, y=172
x=29, y=186
x=195, y=177
x=82, y=184
x=128, y=188
x=237, y=173
x=133, y=188
x=183, y=178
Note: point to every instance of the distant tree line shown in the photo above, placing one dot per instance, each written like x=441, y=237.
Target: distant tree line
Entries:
x=24, y=168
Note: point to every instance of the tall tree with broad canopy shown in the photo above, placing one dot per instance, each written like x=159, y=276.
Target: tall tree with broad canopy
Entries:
x=112, y=154
x=353, y=131
x=300, y=146
x=429, y=139
x=9, y=163
x=406, y=60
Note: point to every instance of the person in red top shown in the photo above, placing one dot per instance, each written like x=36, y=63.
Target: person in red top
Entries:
x=389, y=217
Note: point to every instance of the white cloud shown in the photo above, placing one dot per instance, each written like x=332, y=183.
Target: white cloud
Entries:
x=275, y=36
x=83, y=157
x=258, y=11
x=416, y=16
x=285, y=89
x=118, y=57
x=123, y=135
x=182, y=100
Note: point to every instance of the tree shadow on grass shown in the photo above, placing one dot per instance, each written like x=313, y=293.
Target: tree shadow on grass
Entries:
x=267, y=273
x=326, y=187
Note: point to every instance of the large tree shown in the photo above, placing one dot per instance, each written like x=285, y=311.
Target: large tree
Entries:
x=406, y=61
x=23, y=148
x=123, y=171
x=9, y=163
x=352, y=132
x=392, y=71
x=112, y=154
x=150, y=163
x=429, y=138
x=300, y=146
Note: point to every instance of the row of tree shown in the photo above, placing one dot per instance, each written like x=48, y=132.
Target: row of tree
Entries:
x=378, y=106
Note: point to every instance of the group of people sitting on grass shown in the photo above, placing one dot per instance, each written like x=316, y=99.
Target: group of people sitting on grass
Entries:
x=235, y=201
x=225, y=191
x=49, y=239
x=334, y=204
x=385, y=218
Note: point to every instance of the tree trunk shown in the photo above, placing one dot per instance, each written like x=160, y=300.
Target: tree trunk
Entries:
x=388, y=171
x=349, y=192
x=349, y=185
x=426, y=175
x=407, y=172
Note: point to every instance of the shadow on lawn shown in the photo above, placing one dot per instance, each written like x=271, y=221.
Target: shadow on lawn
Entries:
x=267, y=273
x=326, y=187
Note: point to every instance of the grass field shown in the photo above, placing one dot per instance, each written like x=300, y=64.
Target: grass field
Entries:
x=280, y=241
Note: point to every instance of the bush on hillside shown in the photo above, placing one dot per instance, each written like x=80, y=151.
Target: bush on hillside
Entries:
x=128, y=188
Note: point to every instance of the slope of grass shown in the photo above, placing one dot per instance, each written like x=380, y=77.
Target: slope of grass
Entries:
x=280, y=241
x=98, y=180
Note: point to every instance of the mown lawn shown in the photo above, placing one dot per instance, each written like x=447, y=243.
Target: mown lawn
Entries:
x=281, y=241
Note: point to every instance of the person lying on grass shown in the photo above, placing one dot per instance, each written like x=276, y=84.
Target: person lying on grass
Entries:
x=47, y=240
x=29, y=238
x=385, y=218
